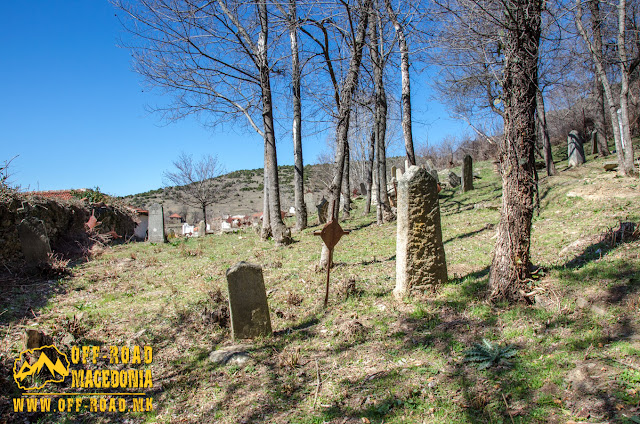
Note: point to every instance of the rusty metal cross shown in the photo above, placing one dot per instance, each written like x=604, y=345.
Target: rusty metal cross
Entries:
x=331, y=234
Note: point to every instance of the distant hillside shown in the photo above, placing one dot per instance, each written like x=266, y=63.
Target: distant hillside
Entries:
x=241, y=191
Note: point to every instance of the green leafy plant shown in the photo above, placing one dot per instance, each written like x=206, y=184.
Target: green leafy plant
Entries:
x=486, y=354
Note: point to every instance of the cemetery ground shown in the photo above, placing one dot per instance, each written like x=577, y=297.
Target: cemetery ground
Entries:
x=369, y=357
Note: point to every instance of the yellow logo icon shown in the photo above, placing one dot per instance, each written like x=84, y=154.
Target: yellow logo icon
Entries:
x=43, y=367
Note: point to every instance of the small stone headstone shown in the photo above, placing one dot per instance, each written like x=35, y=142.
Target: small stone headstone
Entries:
x=202, y=229
x=467, y=174
x=323, y=210
x=610, y=166
x=420, y=257
x=434, y=174
x=156, y=223
x=575, y=149
x=34, y=240
x=429, y=165
x=248, y=302
x=363, y=189
x=454, y=179
x=394, y=171
x=310, y=200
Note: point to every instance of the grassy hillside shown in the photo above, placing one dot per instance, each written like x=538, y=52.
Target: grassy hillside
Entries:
x=370, y=358
x=241, y=191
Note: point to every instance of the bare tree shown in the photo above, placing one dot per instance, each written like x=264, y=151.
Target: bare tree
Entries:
x=598, y=121
x=214, y=59
x=406, y=83
x=291, y=16
x=619, y=122
x=383, y=210
x=193, y=181
x=505, y=37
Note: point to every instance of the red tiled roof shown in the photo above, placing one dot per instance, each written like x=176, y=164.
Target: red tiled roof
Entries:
x=175, y=215
x=54, y=194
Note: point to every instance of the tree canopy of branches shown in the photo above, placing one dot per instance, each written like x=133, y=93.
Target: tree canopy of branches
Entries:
x=194, y=181
x=215, y=59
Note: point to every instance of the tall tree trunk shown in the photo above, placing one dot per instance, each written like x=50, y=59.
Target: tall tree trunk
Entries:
x=623, y=116
x=380, y=122
x=406, y=85
x=204, y=219
x=544, y=134
x=266, y=216
x=369, y=172
x=298, y=175
x=608, y=92
x=281, y=233
x=598, y=121
x=510, y=268
x=346, y=184
x=344, y=113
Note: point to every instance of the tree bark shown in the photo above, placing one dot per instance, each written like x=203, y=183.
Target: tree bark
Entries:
x=298, y=175
x=266, y=216
x=346, y=184
x=544, y=134
x=623, y=116
x=281, y=234
x=598, y=121
x=608, y=92
x=384, y=214
x=369, y=172
x=510, y=268
x=406, y=85
x=344, y=113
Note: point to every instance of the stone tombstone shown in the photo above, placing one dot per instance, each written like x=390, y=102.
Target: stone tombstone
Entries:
x=420, y=257
x=454, y=179
x=394, y=171
x=575, y=149
x=248, y=302
x=363, y=189
x=467, y=173
x=34, y=240
x=202, y=229
x=309, y=201
x=323, y=210
x=156, y=223
x=434, y=174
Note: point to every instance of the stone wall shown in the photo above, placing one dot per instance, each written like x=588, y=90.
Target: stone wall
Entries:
x=64, y=221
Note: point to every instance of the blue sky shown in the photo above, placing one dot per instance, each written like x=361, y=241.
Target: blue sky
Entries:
x=73, y=111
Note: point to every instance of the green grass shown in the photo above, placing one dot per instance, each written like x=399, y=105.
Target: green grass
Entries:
x=405, y=363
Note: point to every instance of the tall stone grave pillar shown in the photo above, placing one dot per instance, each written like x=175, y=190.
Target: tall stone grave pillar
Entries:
x=323, y=210
x=575, y=150
x=34, y=240
x=202, y=229
x=248, y=302
x=420, y=258
x=467, y=174
x=156, y=223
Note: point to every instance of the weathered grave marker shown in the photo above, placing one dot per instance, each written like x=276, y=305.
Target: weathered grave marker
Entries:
x=363, y=189
x=454, y=179
x=331, y=235
x=467, y=174
x=34, y=240
x=248, y=302
x=420, y=257
x=202, y=229
x=575, y=149
x=156, y=223
x=323, y=208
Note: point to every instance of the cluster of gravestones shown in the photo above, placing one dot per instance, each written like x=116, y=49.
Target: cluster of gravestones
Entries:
x=420, y=257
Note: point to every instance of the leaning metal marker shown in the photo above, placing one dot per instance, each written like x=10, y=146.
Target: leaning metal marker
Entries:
x=331, y=234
